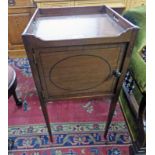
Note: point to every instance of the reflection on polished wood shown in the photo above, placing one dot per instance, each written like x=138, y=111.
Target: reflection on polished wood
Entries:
x=76, y=27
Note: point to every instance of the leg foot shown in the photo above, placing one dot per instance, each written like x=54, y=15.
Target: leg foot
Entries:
x=10, y=144
x=51, y=139
x=45, y=113
x=18, y=101
x=110, y=116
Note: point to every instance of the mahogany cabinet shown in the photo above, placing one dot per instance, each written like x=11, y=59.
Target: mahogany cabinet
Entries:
x=19, y=14
x=78, y=52
x=111, y=3
x=54, y=3
x=117, y=5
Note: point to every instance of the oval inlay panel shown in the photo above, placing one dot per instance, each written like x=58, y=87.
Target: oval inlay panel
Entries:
x=79, y=72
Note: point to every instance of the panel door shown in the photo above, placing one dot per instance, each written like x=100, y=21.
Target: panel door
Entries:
x=83, y=72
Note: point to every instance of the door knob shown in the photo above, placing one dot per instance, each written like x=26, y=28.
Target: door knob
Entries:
x=117, y=73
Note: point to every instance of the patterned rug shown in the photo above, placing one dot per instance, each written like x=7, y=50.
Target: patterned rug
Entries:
x=77, y=125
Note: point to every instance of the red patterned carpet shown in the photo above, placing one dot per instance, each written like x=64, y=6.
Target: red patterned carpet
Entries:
x=77, y=125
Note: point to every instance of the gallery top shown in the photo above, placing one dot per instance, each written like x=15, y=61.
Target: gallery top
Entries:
x=54, y=24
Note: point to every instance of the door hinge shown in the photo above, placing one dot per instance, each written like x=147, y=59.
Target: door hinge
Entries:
x=34, y=58
x=43, y=94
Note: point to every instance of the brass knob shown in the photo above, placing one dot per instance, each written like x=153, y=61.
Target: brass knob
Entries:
x=117, y=73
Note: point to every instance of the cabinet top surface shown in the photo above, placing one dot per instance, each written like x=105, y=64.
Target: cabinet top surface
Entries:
x=75, y=27
x=76, y=23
